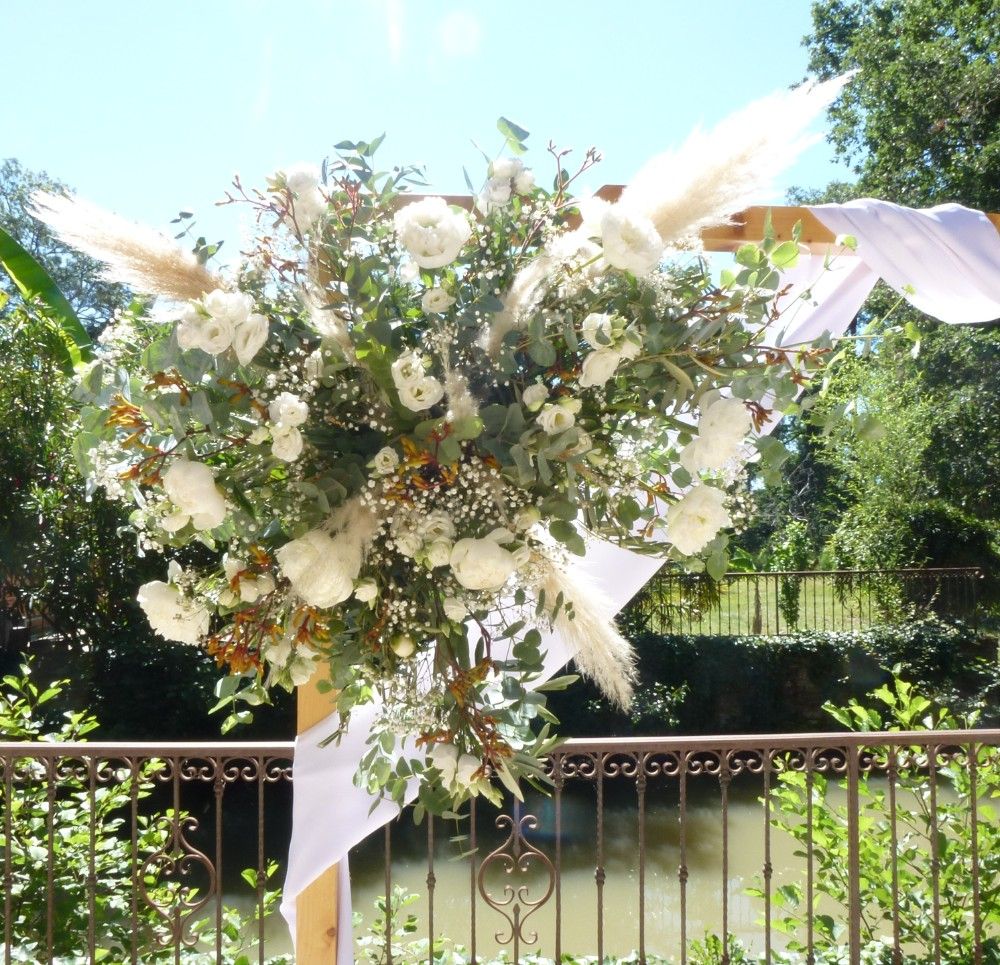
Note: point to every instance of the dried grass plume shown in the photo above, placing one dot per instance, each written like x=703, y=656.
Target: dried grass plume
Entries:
x=134, y=255
x=716, y=173
x=600, y=652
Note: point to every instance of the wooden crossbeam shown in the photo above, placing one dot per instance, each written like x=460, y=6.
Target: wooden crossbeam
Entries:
x=747, y=225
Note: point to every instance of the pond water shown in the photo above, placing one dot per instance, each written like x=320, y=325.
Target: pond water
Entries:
x=708, y=878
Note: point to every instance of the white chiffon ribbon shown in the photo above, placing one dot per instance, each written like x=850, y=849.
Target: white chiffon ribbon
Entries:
x=944, y=260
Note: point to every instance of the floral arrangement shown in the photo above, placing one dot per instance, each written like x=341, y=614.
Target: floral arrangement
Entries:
x=374, y=447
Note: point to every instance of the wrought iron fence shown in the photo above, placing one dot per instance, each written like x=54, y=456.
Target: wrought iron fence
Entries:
x=776, y=603
x=713, y=849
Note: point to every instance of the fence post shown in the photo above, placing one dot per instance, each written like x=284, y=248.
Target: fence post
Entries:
x=853, y=854
x=316, y=908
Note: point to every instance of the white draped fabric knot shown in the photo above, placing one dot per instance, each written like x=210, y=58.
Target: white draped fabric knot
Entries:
x=943, y=260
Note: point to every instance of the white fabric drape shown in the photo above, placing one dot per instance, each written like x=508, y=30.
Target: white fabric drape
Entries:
x=944, y=260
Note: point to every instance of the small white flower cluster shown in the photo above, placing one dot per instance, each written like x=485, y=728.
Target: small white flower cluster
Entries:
x=108, y=466
x=302, y=181
x=223, y=320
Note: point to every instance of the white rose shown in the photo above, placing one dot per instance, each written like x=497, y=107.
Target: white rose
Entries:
x=431, y=232
x=629, y=350
x=421, y=395
x=190, y=486
x=288, y=410
x=526, y=518
x=722, y=429
x=321, y=569
x=408, y=369
x=481, y=564
x=279, y=653
x=436, y=300
x=286, y=443
x=599, y=366
x=172, y=615
x=259, y=435
x=454, y=609
x=174, y=522
x=366, y=590
x=438, y=553
x=534, y=395
x=465, y=769
x=436, y=525
x=524, y=183
x=231, y=307
x=505, y=168
x=631, y=242
x=495, y=194
x=385, y=462
x=408, y=542
x=250, y=338
x=308, y=203
x=555, y=418
x=695, y=519
x=596, y=329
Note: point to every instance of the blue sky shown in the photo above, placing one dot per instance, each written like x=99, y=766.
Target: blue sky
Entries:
x=150, y=107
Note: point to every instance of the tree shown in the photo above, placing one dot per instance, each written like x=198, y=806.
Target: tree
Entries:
x=78, y=277
x=920, y=123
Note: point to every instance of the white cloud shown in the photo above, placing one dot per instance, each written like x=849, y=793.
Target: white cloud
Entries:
x=459, y=34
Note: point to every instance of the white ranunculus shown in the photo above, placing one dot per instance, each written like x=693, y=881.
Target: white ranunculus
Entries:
x=171, y=614
x=385, y=462
x=431, y=232
x=524, y=183
x=555, y=418
x=421, y=395
x=505, y=168
x=190, y=486
x=436, y=525
x=630, y=241
x=288, y=410
x=189, y=327
x=599, y=366
x=438, y=553
x=250, y=338
x=722, y=429
x=436, y=300
x=366, y=590
x=213, y=335
x=321, y=569
x=231, y=307
x=481, y=564
x=286, y=443
x=408, y=369
x=454, y=609
x=408, y=540
x=534, y=396
x=695, y=519
x=596, y=329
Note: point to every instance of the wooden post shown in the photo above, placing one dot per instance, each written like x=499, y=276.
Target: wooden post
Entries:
x=316, y=908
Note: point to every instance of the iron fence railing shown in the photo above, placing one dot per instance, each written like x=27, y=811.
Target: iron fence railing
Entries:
x=686, y=848
x=778, y=603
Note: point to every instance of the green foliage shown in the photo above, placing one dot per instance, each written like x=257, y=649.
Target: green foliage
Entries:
x=75, y=276
x=93, y=827
x=920, y=827
x=791, y=549
x=920, y=123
